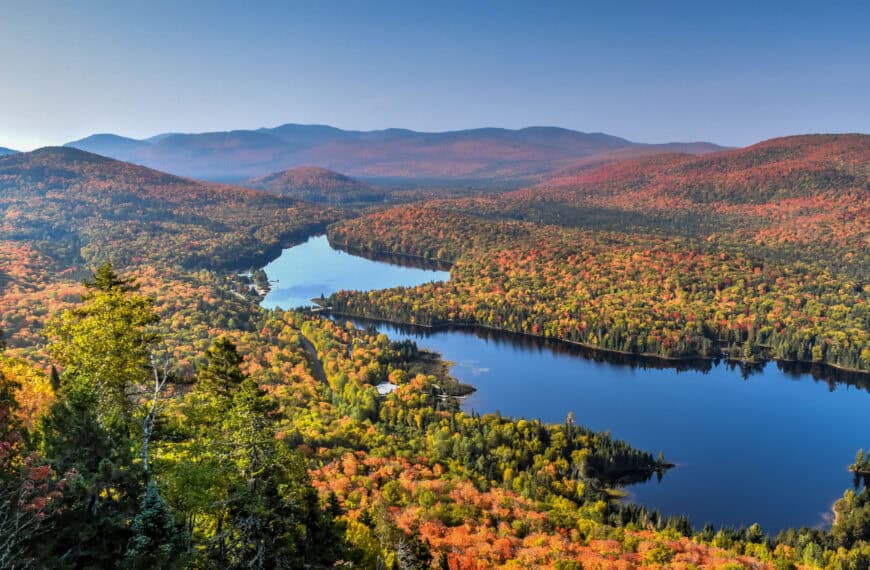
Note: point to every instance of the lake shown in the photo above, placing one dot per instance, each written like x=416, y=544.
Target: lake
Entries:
x=770, y=445
x=314, y=268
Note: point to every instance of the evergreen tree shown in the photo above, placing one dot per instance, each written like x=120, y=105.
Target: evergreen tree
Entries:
x=10, y=426
x=26, y=494
x=264, y=515
x=852, y=521
x=12, y=544
x=105, y=342
x=91, y=528
x=55, y=379
x=270, y=516
x=103, y=346
x=105, y=279
x=157, y=541
x=223, y=373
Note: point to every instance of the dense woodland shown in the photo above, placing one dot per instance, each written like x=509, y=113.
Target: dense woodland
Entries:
x=634, y=293
x=251, y=460
x=756, y=253
x=156, y=417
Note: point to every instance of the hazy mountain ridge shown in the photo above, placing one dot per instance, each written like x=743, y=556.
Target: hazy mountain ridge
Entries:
x=6, y=151
x=484, y=153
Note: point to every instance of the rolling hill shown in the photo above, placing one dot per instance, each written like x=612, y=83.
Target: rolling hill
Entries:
x=79, y=206
x=809, y=190
x=318, y=185
x=5, y=151
x=475, y=154
x=789, y=167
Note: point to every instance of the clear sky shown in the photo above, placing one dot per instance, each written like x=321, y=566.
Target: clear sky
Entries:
x=652, y=71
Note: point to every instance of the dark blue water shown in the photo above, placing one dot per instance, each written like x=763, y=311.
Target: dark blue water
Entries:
x=770, y=447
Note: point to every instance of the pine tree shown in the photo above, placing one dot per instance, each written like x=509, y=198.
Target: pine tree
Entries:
x=272, y=517
x=55, y=379
x=12, y=546
x=10, y=426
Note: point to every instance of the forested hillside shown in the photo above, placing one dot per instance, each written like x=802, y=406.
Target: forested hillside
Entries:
x=755, y=253
x=119, y=397
x=251, y=461
x=804, y=196
x=63, y=210
x=101, y=209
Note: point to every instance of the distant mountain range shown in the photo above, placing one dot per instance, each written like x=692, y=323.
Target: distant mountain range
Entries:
x=488, y=153
x=4, y=151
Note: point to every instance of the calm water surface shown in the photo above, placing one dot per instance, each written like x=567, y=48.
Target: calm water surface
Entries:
x=314, y=268
x=772, y=447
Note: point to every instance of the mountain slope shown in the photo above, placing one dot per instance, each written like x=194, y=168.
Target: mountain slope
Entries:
x=468, y=154
x=319, y=185
x=4, y=151
x=811, y=190
x=789, y=167
x=82, y=206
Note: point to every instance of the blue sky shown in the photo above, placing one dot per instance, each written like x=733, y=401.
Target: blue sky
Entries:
x=655, y=71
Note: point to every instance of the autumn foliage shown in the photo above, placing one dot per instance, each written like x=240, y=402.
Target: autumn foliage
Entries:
x=754, y=253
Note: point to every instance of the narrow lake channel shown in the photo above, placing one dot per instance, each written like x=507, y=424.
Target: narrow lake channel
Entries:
x=771, y=445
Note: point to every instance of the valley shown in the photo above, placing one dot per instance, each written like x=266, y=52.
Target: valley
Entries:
x=603, y=315
x=385, y=285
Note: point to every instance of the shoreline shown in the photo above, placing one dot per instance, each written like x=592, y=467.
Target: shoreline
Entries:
x=665, y=360
x=595, y=349
x=352, y=249
x=442, y=264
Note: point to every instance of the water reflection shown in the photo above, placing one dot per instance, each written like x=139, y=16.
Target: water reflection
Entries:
x=795, y=370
